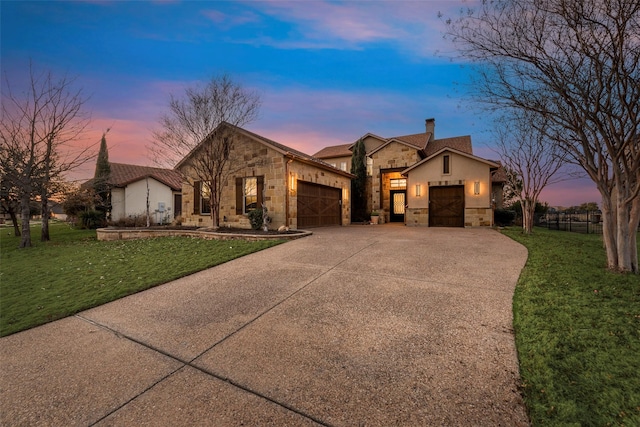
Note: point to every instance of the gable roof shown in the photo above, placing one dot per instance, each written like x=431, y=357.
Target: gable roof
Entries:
x=343, y=150
x=123, y=174
x=423, y=142
x=282, y=149
x=492, y=165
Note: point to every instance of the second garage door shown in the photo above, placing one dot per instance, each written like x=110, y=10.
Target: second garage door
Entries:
x=446, y=206
x=318, y=205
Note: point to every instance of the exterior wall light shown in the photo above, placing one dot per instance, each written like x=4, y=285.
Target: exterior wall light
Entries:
x=476, y=188
x=418, y=190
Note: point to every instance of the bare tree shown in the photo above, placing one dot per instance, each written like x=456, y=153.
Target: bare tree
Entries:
x=530, y=160
x=576, y=65
x=35, y=131
x=199, y=132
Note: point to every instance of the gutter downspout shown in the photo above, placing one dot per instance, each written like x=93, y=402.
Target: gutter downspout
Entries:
x=287, y=179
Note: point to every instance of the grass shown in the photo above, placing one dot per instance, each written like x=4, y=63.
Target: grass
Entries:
x=577, y=330
x=74, y=271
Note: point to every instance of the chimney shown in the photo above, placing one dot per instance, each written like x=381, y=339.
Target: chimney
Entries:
x=430, y=124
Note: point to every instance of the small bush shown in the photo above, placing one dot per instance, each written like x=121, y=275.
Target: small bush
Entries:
x=132, y=221
x=91, y=220
x=255, y=217
x=504, y=217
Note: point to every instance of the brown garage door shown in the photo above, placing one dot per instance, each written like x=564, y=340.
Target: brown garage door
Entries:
x=446, y=206
x=318, y=205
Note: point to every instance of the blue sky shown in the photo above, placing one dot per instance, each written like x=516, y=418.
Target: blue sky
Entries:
x=327, y=71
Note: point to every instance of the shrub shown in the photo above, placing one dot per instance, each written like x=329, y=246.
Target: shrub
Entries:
x=255, y=217
x=504, y=217
x=91, y=219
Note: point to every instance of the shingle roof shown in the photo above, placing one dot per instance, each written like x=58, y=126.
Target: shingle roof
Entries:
x=124, y=174
x=418, y=140
x=460, y=143
x=334, y=151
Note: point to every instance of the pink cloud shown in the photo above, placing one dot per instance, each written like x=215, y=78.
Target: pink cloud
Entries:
x=416, y=26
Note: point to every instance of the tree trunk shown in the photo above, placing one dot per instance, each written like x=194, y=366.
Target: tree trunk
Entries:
x=14, y=221
x=609, y=220
x=528, y=210
x=44, y=234
x=25, y=214
x=626, y=238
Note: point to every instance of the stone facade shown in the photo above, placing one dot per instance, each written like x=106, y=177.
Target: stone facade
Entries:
x=388, y=162
x=280, y=170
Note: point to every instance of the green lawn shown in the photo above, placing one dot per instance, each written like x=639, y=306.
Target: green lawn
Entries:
x=74, y=271
x=577, y=332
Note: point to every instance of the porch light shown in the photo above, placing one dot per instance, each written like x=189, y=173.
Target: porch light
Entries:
x=476, y=188
x=418, y=190
x=292, y=185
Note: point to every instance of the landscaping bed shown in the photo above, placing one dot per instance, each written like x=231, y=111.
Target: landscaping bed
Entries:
x=222, y=233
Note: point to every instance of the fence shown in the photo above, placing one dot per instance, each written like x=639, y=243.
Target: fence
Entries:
x=586, y=222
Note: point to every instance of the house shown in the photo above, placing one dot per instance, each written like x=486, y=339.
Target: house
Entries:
x=132, y=186
x=420, y=180
x=298, y=190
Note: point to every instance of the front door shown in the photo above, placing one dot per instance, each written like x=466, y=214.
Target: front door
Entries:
x=397, y=205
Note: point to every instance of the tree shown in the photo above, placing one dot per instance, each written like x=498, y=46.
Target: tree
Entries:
x=531, y=162
x=35, y=131
x=101, y=179
x=575, y=64
x=207, y=118
x=358, y=184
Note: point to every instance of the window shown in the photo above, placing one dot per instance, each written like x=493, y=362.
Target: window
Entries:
x=369, y=166
x=446, y=167
x=250, y=194
x=201, y=197
x=343, y=166
x=398, y=183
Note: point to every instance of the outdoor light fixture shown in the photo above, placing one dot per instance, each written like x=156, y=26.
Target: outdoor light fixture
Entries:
x=418, y=190
x=292, y=187
x=476, y=188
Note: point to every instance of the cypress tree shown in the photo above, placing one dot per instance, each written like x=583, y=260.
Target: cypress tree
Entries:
x=101, y=179
x=358, y=193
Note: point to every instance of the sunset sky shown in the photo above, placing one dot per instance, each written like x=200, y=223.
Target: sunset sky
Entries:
x=328, y=72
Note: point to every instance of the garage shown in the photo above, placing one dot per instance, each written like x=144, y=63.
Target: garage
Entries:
x=446, y=206
x=318, y=205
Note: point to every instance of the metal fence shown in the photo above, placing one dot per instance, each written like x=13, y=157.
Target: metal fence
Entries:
x=586, y=222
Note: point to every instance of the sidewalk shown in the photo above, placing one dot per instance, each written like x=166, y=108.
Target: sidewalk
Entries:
x=361, y=325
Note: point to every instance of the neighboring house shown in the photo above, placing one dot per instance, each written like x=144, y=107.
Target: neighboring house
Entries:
x=420, y=180
x=132, y=186
x=298, y=190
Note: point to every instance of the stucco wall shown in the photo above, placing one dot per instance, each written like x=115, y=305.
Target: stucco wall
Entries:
x=132, y=200
x=463, y=171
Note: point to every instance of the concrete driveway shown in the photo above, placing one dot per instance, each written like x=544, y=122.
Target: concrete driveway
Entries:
x=352, y=326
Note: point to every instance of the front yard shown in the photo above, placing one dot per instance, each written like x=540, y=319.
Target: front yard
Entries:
x=577, y=332
x=74, y=271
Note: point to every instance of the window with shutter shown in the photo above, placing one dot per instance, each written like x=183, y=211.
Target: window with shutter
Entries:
x=249, y=194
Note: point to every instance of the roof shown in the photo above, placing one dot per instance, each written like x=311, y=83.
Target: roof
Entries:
x=334, y=151
x=282, y=149
x=124, y=174
x=422, y=142
x=491, y=164
x=458, y=143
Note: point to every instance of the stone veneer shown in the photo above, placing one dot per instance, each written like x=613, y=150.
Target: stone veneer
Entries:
x=393, y=156
x=473, y=217
x=252, y=158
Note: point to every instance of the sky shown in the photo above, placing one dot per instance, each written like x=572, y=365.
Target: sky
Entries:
x=327, y=72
